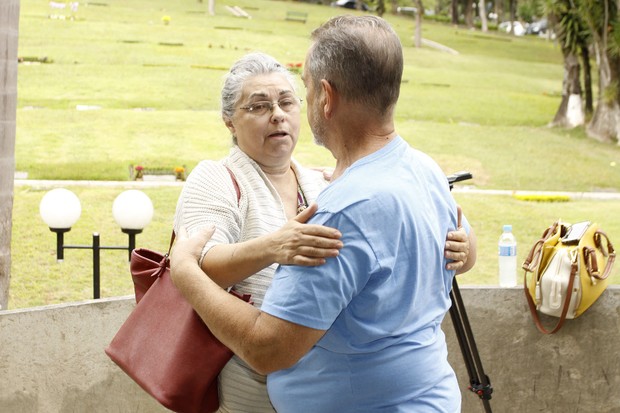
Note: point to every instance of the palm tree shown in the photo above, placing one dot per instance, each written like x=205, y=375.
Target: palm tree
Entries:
x=9, y=10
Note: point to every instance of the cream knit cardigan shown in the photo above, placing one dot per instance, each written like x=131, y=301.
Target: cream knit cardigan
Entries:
x=209, y=197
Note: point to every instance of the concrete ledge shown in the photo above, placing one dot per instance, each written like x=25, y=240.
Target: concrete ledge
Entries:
x=52, y=359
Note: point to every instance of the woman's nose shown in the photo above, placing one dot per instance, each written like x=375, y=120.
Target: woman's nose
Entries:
x=277, y=114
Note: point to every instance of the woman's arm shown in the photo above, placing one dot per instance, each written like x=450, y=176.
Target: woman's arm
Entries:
x=209, y=198
x=295, y=243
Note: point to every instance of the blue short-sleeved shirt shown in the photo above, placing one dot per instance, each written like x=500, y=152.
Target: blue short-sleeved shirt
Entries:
x=382, y=300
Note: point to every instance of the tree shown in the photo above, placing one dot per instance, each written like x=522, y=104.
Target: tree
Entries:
x=9, y=19
x=469, y=14
x=211, y=7
x=454, y=12
x=513, y=15
x=571, y=36
x=601, y=18
x=380, y=7
x=417, y=38
x=482, y=11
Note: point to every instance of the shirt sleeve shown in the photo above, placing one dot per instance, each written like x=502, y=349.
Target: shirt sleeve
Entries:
x=209, y=198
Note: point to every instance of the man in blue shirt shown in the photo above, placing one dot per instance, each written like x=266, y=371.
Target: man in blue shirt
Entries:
x=362, y=332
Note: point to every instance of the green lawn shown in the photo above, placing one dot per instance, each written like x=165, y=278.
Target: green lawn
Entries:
x=157, y=86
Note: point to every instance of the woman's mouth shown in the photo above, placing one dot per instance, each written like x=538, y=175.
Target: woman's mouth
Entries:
x=278, y=135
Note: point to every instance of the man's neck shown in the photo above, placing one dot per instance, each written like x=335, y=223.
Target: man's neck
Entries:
x=356, y=144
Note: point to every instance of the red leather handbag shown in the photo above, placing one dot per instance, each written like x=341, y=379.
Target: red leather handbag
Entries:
x=163, y=345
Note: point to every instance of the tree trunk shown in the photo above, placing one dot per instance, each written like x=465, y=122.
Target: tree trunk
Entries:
x=212, y=7
x=482, y=9
x=455, y=12
x=513, y=15
x=587, y=78
x=380, y=7
x=358, y=4
x=570, y=112
x=418, y=23
x=469, y=14
x=605, y=123
x=9, y=19
x=499, y=10
x=394, y=6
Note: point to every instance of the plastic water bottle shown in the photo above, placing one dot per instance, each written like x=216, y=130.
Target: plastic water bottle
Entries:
x=507, y=251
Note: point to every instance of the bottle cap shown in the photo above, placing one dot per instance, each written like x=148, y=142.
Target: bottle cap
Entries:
x=507, y=228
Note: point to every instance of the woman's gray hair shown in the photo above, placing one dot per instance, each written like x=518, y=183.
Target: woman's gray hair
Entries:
x=250, y=65
x=361, y=57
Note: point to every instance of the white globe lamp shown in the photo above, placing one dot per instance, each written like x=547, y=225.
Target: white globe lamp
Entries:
x=60, y=208
x=132, y=210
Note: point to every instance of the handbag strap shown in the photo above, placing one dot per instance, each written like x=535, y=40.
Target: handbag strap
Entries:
x=235, y=184
x=532, y=261
x=172, y=237
x=589, y=257
x=569, y=294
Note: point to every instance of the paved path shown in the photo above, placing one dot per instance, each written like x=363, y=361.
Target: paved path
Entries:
x=107, y=184
x=158, y=183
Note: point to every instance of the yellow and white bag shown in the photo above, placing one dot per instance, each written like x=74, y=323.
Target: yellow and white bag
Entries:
x=563, y=276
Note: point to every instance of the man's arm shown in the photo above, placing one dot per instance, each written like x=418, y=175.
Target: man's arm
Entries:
x=265, y=342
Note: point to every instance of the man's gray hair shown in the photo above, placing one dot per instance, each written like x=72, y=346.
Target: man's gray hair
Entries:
x=361, y=57
x=250, y=65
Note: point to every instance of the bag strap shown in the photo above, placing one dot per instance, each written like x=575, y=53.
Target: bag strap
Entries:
x=236, y=185
x=532, y=261
x=569, y=289
x=172, y=237
x=589, y=257
x=569, y=293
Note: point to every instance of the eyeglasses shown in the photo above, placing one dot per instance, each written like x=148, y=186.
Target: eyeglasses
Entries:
x=263, y=107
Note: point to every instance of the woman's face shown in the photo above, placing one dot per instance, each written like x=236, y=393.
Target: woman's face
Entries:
x=266, y=135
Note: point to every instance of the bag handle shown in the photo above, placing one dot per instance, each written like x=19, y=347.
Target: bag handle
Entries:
x=569, y=294
x=589, y=257
x=532, y=261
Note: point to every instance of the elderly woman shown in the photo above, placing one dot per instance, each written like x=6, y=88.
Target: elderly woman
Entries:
x=259, y=198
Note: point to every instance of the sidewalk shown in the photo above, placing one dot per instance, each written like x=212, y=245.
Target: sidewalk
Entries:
x=42, y=184
x=572, y=195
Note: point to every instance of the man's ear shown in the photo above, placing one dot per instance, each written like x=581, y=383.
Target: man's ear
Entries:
x=330, y=98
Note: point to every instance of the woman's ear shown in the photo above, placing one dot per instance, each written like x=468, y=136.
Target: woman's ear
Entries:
x=229, y=124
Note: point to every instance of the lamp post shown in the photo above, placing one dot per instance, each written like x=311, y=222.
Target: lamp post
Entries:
x=60, y=209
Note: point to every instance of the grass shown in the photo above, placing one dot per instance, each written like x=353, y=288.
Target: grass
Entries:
x=157, y=86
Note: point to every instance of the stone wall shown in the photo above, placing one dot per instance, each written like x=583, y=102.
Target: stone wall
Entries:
x=52, y=359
